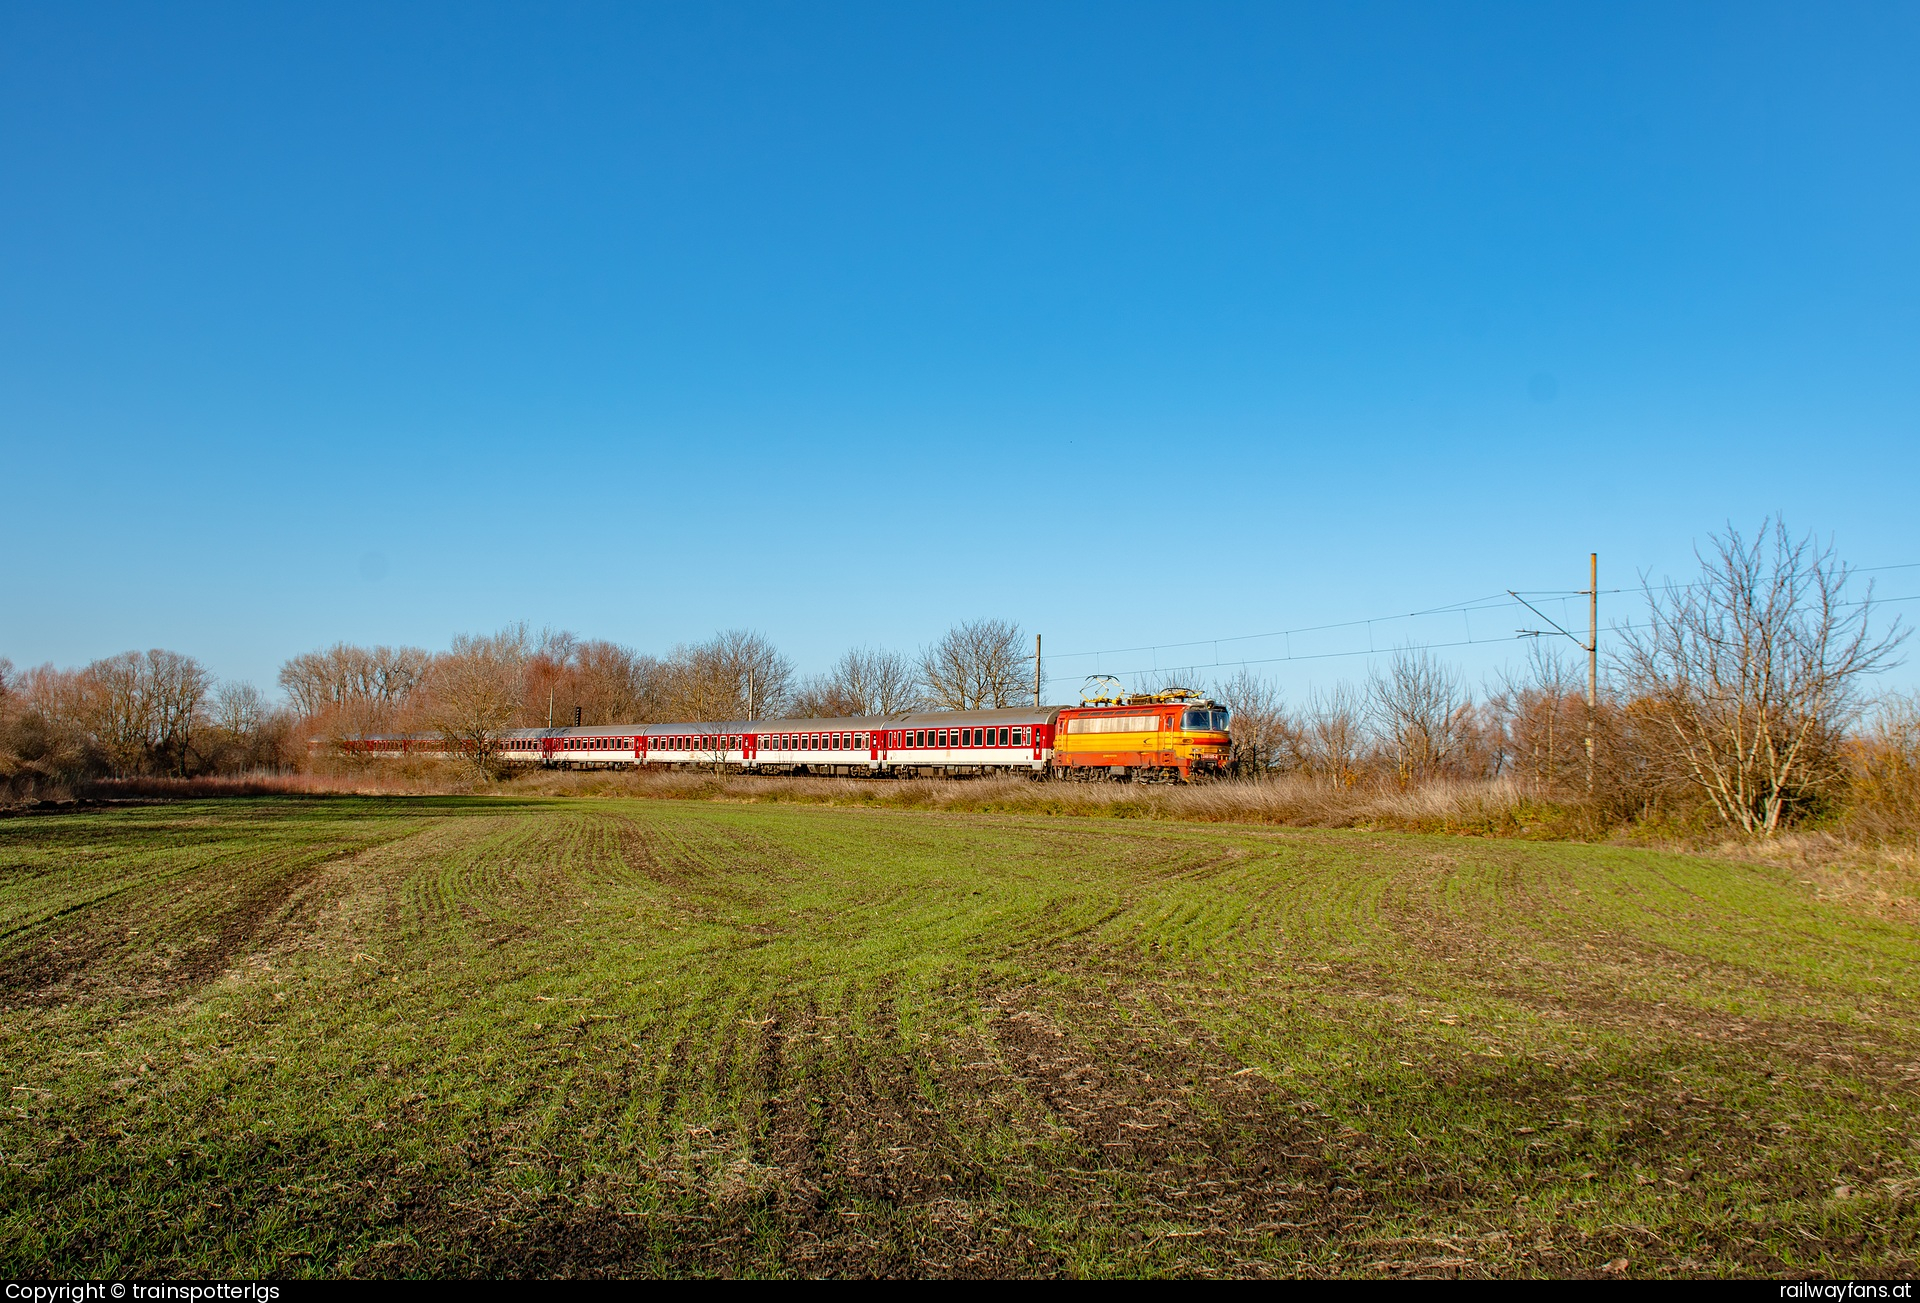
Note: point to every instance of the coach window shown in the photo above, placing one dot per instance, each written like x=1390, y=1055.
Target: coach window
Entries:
x=943, y=738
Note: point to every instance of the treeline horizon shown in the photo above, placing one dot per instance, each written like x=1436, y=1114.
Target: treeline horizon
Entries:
x=1742, y=699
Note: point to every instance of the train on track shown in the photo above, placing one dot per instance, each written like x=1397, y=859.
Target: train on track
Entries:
x=1174, y=736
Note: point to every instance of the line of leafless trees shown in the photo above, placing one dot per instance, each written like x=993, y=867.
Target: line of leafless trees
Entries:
x=484, y=685
x=161, y=713
x=138, y=713
x=1743, y=693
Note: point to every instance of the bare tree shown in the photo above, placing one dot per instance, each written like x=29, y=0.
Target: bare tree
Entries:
x=823, y=696
x=473, y=689
x=243, y=732
x=1333, y=739
x=1264, y=736
x=51, y=737
x=141, y=708
x=1753, y=673
x=1422, y=712
x=1540, y=717
x=596, y=681
x=238, y=709
x=351, y=691
x=862, y=682
x=711, y=680
x=977, y=665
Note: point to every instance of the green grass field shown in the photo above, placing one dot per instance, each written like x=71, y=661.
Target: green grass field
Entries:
x=480, y=1036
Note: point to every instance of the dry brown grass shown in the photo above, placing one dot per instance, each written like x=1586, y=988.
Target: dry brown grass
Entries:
x=421, y=781
x=1881, y=878
x=1490, y=808
x=1497, y=807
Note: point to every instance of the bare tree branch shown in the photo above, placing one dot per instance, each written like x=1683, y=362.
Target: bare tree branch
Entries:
x=1753, y=673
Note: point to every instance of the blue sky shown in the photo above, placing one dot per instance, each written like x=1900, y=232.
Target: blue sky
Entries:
x=1136, y=324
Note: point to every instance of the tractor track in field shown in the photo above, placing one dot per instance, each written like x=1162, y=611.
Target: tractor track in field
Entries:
x=52, y=969
x=116, y=943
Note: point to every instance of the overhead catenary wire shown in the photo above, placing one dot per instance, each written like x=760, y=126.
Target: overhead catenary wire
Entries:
x=1465, y=608
x=1490, y=601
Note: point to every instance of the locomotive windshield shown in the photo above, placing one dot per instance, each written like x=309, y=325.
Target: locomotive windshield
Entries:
x=1207, y=721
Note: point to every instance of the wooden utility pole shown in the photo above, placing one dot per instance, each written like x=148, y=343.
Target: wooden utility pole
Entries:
x=1036, y=671
x=1593, y=655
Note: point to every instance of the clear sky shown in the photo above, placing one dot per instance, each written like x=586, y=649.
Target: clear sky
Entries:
x=1136, y=324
